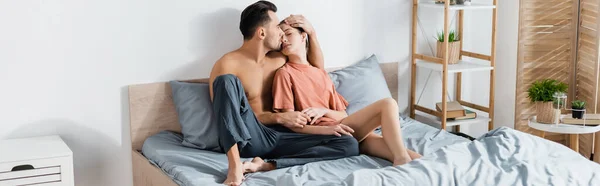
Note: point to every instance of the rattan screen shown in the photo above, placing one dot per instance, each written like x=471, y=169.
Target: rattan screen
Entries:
x=547, y=42
x=558, y=39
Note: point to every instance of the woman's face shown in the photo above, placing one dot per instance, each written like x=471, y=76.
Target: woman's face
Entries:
x=293, y=42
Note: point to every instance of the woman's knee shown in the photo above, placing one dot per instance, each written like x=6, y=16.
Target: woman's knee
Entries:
x=387, y=103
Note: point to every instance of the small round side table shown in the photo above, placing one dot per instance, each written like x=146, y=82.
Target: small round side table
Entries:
x=572, y=130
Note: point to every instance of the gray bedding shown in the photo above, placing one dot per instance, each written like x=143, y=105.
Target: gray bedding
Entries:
x=501, y=157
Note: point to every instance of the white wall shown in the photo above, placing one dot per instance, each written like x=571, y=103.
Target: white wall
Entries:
x=506, y=63
x=65, y=64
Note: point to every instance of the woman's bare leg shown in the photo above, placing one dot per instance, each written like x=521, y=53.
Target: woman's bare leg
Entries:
x=385, y=113
x=374, y=145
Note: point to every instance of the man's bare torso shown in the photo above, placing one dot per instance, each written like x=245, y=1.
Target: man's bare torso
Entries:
x=256, y=77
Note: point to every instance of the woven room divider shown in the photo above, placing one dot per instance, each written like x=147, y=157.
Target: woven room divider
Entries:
x=558, y=39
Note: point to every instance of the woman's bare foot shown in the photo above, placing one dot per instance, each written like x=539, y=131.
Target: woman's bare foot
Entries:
x=235, y=176
x=257, y=165
x=414, y=155
x=402, y=160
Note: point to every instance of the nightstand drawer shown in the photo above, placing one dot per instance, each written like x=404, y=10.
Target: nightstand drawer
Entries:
x=37, y=180
x=29, y=173
x=37, y=171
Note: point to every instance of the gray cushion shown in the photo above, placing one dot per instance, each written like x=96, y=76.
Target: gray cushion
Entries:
x=361, y=84
x=195, y=112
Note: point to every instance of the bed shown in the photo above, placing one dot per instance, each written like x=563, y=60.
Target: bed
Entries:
x=500, y=157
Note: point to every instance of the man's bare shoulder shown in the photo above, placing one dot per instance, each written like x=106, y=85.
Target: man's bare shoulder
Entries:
x=227, y=64
x=277, y=57
x=230, y=59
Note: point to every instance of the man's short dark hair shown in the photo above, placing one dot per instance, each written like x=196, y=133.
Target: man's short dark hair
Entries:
x=255, y=15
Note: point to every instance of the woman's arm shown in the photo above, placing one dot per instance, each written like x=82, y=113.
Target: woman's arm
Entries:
x=307, y=129
x=337, y=130
x=310, y=129
x=336, y=115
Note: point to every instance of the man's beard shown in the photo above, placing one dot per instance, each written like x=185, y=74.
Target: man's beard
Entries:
x=274, y=47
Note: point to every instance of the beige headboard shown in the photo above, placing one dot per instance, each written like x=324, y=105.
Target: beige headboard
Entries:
x=151, y=108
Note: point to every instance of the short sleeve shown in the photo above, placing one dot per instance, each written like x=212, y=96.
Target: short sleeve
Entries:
x=283, y=97
x=341, y=103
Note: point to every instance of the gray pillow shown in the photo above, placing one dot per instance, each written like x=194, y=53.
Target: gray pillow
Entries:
x=195, y=112
x=361, y=84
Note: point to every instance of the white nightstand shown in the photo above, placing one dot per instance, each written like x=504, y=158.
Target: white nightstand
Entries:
x=560, y=128
x=43, y=161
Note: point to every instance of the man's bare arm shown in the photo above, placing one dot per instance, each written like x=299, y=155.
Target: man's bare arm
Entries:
x=315, y=54
x=288, y=118
x=268, y=118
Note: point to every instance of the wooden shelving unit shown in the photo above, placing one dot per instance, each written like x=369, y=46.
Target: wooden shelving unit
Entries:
x=441, y=65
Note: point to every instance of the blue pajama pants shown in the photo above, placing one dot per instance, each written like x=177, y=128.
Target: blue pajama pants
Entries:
x=238, y=125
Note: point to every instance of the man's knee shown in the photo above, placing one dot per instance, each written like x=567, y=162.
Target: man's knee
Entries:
x=227, y=83
x=350, y=145
x=226, y=79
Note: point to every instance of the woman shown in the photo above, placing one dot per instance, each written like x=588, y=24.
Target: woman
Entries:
x=315, y=96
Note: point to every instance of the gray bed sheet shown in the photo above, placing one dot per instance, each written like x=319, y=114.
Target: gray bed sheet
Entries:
x=193, y=167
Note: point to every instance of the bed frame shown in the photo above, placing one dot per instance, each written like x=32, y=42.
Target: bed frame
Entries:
x=151, y=110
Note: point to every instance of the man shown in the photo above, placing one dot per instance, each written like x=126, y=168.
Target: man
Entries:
x=240, y=85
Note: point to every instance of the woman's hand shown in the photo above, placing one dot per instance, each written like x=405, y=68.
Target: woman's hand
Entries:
x=315, y=113
x=293, y=119
x=338, y=130
x=300, y=21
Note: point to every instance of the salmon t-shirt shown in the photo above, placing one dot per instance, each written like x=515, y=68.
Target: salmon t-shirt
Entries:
x=299, y=86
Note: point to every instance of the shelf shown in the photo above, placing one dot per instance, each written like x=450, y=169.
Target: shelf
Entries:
x=473, y=6
x=461, y=66
x=431, y=119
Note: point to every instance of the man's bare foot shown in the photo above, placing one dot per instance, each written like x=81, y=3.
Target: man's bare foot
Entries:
x=257, y=165
x=235, y=176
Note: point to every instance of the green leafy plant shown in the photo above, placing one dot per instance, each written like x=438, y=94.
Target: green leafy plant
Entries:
x=452, y=35
x=577, y=104
x=544, y=89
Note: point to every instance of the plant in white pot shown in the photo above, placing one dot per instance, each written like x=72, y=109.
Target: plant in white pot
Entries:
x=541, y=93
x=453, y=46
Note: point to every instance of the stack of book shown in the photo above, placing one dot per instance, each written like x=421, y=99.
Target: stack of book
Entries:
x=590, y=119
x=456, y=111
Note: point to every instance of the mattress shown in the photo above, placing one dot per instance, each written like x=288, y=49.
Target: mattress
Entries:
x=194, y=167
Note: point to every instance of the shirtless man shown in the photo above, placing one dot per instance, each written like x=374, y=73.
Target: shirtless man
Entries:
x=240, y=87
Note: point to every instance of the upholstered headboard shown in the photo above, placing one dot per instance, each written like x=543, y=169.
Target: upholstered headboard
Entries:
x=151, y=108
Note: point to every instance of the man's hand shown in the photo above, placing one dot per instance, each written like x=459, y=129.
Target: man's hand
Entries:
x=338, y=130
x=293, y=119
x=300, y=21
x=315, y=113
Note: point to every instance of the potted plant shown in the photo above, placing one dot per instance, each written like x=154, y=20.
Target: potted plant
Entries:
x=541, y=93
x=578, y=107
x=452, y=2
x=453, y=46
